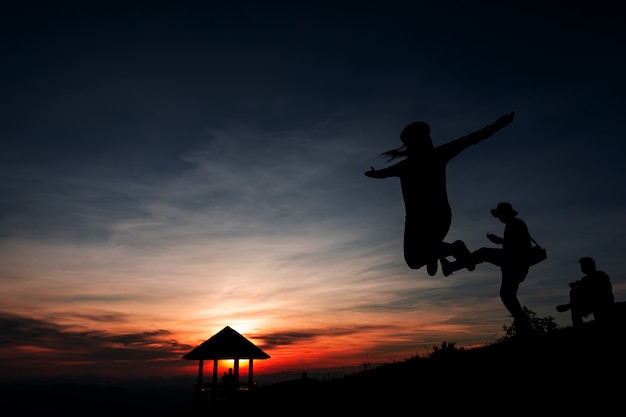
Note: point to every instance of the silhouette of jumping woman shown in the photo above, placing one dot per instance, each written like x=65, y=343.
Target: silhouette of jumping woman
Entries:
x=422, y=174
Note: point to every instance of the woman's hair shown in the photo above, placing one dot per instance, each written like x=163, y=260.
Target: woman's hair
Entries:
x=395, y=153
x=417, y=133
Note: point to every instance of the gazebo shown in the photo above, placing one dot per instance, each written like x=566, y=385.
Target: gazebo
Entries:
x=226, y=344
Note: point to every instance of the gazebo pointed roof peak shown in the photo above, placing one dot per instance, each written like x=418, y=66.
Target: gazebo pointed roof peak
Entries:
x=226, y=344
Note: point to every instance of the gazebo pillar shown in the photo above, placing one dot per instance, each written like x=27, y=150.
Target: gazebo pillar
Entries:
x=214, y=388
x=200, y=366
x=250, y=377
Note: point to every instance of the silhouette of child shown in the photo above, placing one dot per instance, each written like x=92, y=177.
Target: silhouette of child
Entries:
x=422, y=174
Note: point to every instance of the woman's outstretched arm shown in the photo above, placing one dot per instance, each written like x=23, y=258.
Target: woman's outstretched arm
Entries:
x=454, y=147
x=487, y=131
x=391, y=171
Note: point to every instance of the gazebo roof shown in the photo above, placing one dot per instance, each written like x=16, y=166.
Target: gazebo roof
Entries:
x=226, y=344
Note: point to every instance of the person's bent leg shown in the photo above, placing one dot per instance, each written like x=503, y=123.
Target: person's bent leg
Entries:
x=419, y=256
x=422, y=248
x=581, y=306
x=461, y=254
x=488, y=255
x=416, y=246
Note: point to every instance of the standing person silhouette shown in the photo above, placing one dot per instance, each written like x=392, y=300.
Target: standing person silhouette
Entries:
x=422, y=174
x=592, y=294
x=512, y=259
x=229, y=384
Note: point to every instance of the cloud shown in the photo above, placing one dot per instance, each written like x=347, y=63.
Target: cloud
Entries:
x=47, y=344
x=23, y=332
x=306, y=336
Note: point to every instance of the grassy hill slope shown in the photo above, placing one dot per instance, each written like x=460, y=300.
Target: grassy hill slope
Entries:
x=565, y=370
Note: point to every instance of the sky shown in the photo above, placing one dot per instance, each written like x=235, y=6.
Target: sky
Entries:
x=169, y=168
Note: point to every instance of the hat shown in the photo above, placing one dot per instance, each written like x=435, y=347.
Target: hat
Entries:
x=503, y=210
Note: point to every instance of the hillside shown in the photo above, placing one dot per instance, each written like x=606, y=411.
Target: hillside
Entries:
x=565, y=370
x=561, y=371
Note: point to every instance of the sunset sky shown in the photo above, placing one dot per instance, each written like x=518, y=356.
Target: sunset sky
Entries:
x=170, y=168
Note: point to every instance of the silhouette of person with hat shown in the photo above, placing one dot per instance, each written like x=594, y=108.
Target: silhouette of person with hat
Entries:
x=512, y=258
x=422, y=174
